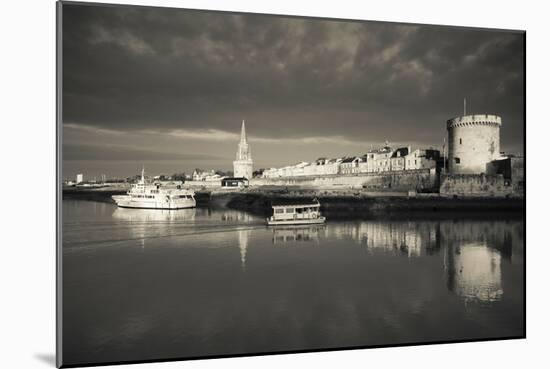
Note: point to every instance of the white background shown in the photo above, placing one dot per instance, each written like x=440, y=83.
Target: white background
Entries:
x=27, y=182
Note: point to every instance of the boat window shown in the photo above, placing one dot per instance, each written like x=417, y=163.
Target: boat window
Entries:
x=279, y=211
x=290, y=210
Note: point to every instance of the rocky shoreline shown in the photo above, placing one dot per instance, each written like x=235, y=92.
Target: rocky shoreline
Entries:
x=355, y=205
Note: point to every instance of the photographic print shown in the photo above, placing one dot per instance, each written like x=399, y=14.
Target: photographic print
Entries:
x=239, y=184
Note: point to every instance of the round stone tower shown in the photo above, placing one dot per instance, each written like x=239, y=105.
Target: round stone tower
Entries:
x=474, y=141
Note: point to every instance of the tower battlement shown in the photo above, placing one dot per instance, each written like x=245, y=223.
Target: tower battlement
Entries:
x=474, y=120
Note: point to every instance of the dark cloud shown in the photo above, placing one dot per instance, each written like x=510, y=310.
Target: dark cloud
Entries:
x=136, y=68
x=102, y=152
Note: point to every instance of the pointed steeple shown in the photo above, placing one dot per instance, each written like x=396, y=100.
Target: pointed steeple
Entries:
x=243, y=133
x=242, y=166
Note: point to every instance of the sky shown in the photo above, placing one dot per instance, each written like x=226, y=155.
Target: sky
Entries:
x=168, y=88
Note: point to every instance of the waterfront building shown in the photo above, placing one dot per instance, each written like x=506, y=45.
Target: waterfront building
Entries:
x=79, y=178
x=512, y=170
x=378, y=160
x=397, y=160
x=422, y=159
x=382, y=160
x=205, y=175
x=321, y=166
x=350, y=165
x=234, y=182
x=330, y=166
x=474, y=141
x=243, y=165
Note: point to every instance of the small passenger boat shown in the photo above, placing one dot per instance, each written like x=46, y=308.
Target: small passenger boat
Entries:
x=296, y=212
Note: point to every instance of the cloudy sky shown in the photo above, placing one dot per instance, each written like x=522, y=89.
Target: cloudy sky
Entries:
x=168, y=88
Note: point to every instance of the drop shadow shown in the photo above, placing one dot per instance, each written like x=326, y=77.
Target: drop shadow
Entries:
x=46, y=358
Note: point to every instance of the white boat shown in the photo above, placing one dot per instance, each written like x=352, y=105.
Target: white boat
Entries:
x=296, y=212
x=158, y=195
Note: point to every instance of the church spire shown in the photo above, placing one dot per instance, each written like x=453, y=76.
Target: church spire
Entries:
x=242, y=166
x=243, y=133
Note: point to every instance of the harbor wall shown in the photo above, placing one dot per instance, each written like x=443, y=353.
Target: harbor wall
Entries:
x=475, y=185
x=420, y=180
x=349, y=204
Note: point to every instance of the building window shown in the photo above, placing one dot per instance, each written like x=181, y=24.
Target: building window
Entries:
x=460, y=140
x=457, y=160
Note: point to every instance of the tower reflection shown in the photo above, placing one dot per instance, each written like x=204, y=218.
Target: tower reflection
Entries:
x=243, y=236
x=473, y=256
x=474, y=271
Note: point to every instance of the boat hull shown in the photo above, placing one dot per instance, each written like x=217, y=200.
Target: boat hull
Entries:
x=320, y=220
x=127, y=202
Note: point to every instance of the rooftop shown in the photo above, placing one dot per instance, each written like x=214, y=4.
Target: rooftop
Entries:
x=294, y=202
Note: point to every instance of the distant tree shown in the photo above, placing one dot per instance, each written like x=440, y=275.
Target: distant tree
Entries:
x=258, y=172
x=133, y=179
x=178, y=176
x=224, y=173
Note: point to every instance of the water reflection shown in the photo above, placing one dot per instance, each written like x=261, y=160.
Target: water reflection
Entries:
x=472, y=251
x=412, y=239
x=297, y=234
x=243, y=236
x=144, y=223
x=474, y=272
x=211, y=279
x=233, y=216
x=154, y=215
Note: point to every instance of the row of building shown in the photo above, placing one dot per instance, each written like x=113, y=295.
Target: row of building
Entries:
x=384, y=159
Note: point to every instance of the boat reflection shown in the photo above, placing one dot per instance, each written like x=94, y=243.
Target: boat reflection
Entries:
x=142, y=224
x=154, y=215
x=296, y=234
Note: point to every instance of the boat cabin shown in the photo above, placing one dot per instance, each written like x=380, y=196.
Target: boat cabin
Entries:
x=235, y=182
x=296, y=212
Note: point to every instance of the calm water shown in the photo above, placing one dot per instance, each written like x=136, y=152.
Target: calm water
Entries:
x=149, y=284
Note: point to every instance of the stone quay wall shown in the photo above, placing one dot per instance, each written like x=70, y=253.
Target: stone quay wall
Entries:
x=475, y=185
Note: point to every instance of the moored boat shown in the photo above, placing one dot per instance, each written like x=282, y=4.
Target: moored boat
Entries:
x=143, y=195
x=295, y=212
